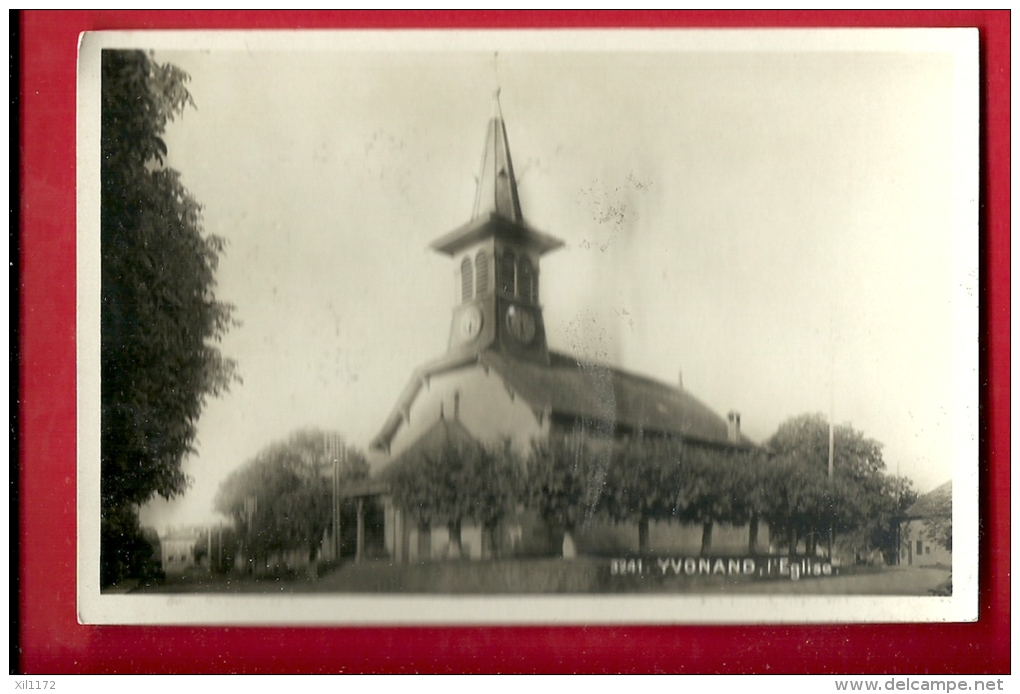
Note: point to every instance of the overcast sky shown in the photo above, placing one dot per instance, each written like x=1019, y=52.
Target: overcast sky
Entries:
x=791, y=229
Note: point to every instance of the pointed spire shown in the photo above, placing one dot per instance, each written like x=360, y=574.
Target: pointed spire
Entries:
x=497, y=186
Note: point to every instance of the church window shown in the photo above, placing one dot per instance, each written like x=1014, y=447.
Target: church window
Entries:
x=465, y=279
x=524, y=277
x=506, y=272
x=481, y=273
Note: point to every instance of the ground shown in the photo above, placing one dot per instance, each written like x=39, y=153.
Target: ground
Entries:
x=584, y=575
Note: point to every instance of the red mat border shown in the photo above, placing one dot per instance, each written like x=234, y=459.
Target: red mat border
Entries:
x=51, y=641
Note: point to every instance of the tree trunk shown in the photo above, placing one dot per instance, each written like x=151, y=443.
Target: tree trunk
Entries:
x=642, y=534
x=569, y=549
x=792, y=541
x=424, y=542
x=706, y=537
x=490, y=541
x=454, y=550
x=810, y=543
x=752, y=535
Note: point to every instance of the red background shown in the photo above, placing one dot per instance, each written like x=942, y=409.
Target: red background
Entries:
x=52, y=641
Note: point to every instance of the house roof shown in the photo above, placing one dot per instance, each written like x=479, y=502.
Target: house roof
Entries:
x=578, y=389
x=937, y=502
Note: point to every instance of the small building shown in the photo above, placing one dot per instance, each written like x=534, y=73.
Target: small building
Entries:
x=177, y=546
x=924, y=527
x=499, y=379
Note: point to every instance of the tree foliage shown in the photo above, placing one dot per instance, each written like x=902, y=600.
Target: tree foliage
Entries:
x=566, y=480
x=457, y=482
x=127, y=550
x=938, y=522
x=570, y=480
x=160, y=319
x=861, y=503
x=281, y=499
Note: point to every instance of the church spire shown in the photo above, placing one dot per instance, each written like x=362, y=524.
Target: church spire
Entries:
x=497, y=186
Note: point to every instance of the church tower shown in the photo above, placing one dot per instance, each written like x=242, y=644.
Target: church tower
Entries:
x=496, y=258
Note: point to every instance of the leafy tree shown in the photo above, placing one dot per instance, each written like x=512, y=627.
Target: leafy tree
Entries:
x=566, y=481
x=717, y=486
x=160, y=319
x=495, y=485
x=860, y=502
x=456, y=482
x=281, y=499
x=938, y=523
x=800, y=502
x=129, y=550
x=883, y=532
x=806, y=438
x=643, y=482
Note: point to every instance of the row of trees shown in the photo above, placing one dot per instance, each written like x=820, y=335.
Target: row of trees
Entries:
x=571, y=480
x=281, y=500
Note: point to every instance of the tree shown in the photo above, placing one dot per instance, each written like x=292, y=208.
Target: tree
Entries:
x=643, y=483
x=860, y=502
x=128, y=549
x=565, y=483
x=455, y=482
x=938, y=522
x=281, y=499
x=160, y=321
x=495, y=485
x=800, y=502
x=717, y=486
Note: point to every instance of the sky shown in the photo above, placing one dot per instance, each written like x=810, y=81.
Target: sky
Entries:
x=789, y=224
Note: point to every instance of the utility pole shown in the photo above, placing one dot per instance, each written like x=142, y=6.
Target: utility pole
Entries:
x=336, y=452
x=832, y=438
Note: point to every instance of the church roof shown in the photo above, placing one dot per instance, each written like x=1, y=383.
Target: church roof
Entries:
x=573, y=388
x=494, y=224
x=497, y=209
x=576, y=388
x=497, y=185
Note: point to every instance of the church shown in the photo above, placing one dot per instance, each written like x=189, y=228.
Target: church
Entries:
x=500, y=380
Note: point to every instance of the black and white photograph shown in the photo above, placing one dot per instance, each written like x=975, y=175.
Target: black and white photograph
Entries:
x=495, y=327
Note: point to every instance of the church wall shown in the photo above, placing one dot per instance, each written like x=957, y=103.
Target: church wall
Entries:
x=606, y=538
x=486, y=409
x=470, y=543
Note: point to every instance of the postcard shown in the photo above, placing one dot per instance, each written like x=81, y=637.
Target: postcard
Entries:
x=528, y=327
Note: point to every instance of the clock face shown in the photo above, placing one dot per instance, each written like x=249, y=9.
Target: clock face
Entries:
x=470, y=323
x=520, y=323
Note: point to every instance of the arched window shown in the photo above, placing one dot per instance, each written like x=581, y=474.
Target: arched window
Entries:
x=465, y=279
x=524, y=277
x=506, y=272
x=481, y=273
